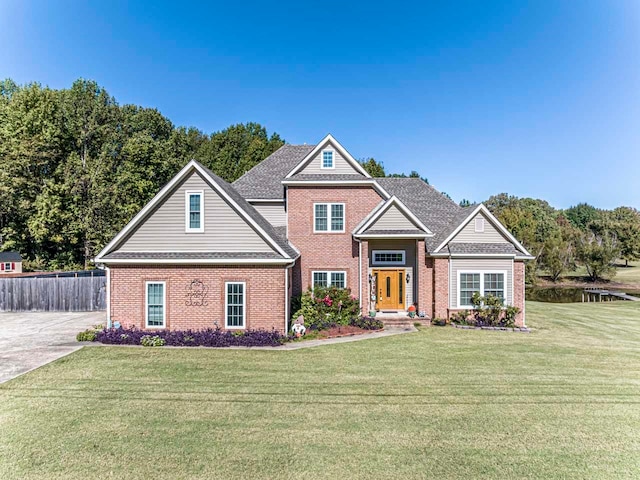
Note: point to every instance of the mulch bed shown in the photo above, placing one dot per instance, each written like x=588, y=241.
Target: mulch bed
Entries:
x=343, y=331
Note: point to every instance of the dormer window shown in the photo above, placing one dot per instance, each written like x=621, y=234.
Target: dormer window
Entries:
x=327, y=159
x=194, y=211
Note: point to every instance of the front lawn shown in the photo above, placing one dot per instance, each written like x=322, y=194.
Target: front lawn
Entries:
x=561, y=402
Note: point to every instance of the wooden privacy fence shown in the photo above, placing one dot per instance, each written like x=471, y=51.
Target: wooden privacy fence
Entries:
x=53, y=294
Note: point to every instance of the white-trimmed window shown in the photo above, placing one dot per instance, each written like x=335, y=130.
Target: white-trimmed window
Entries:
x=479, y=224
x=388, y=257
x=327, y=159
x=7, y=267
x=235, y=304
x=328, y=217
x=329, y=279
x=155, y=304
x=194, y=211
x=485, y=283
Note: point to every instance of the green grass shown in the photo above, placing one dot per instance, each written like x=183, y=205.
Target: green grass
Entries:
x=625, y=275
x=561, y=402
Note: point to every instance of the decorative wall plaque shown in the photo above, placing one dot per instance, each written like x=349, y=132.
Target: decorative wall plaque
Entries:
x=196, y=293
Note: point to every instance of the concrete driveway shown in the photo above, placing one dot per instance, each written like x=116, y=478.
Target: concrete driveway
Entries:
x=31, y=339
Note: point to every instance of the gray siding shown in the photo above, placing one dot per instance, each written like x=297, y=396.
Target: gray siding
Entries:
x=273, y=211
x=393, y=219
x=479, y=264
x=224, y=229
x=469, y=235
x=341, y=165
x=409, y=246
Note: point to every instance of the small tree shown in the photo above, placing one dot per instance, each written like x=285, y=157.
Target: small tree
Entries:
x=598, y=253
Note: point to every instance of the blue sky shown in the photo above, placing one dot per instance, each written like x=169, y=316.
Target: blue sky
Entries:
x=537, y=99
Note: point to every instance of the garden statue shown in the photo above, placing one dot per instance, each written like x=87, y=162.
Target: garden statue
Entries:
x=298, y=327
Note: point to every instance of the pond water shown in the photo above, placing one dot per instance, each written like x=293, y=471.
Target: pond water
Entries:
x=561, y=294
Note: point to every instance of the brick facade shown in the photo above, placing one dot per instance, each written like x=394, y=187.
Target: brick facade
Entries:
x=518, y=291
x=327, y=251
x=265, y=295
x=441, y=287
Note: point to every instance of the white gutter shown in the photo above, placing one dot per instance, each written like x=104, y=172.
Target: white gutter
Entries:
x=196, y=261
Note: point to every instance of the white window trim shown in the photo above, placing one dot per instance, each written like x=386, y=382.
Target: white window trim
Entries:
x=187, y=206
x=479, y=224
x=146, y=303
x=329, y=272
x=226, y=306
x=481, y=272
x=344, y=217
x=333, y=159
x=374, y=252
x=7, y=267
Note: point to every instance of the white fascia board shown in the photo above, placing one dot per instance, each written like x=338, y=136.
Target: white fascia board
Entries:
x=142, y=213
x=350, y=183
x=402, y=207
x=482, y=255
x=494, y=221
x=206, y=261
x=265, y=200
x=366, y=219
x=395, y=235
x=343, y=151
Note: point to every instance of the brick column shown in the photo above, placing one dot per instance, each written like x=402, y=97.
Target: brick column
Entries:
x=518, y=292
x=364, y=272
x=428, y=308
x=441, y=290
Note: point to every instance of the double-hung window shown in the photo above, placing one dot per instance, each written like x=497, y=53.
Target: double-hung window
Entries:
x=327, y=159
x=329, y=279
x=7, y=267
x=194, y=211
x=155, y=308
x=235, y=304
x=485, y=283
x=328, y=217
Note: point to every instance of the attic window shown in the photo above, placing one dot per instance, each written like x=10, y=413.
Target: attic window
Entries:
x=194, y=211
x=327, y=159
x=479, y=225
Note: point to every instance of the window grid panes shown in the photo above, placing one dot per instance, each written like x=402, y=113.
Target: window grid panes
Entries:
x=235, y=305
x=327, y=159
x=320, y=279
x=494, y=285
x=337, y=217
x=321, y=217
x=7, y=266
x=330, y=279
x=155, y=305
x=329, y=217
x=388, y=257
x=195, y=200
x=469, y=284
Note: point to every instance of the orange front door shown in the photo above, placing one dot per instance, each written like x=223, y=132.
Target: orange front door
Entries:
x=390, y=284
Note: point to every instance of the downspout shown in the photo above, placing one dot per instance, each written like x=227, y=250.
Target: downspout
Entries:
x=359, y=273
x=108, y=270
x=286, y=297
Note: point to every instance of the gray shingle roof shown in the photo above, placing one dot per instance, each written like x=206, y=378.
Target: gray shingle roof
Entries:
x=440, y=214
x=479, y=248
x=10, y=257
x=264, y=180
x=310, y=177
x=252, y=212
x=191, y=255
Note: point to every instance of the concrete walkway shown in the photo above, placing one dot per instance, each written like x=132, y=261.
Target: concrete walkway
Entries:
x=388, y=331
x=29, y=340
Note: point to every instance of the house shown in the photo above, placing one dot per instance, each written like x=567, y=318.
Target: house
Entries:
x=10, y=262
x=205, y=253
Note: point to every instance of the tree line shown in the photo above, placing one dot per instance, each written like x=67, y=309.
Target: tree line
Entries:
x=75, y=167
x=562, y=240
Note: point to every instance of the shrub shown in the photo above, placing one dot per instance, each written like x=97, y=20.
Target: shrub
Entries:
x=87, y=336
x=326, y=307
x=441, y=322
x=152, y=341
x=490, y=311
x=367, y=323
x=193, y=338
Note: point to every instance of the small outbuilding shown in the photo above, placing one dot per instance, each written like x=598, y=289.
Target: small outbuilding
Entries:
x=10, y=262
